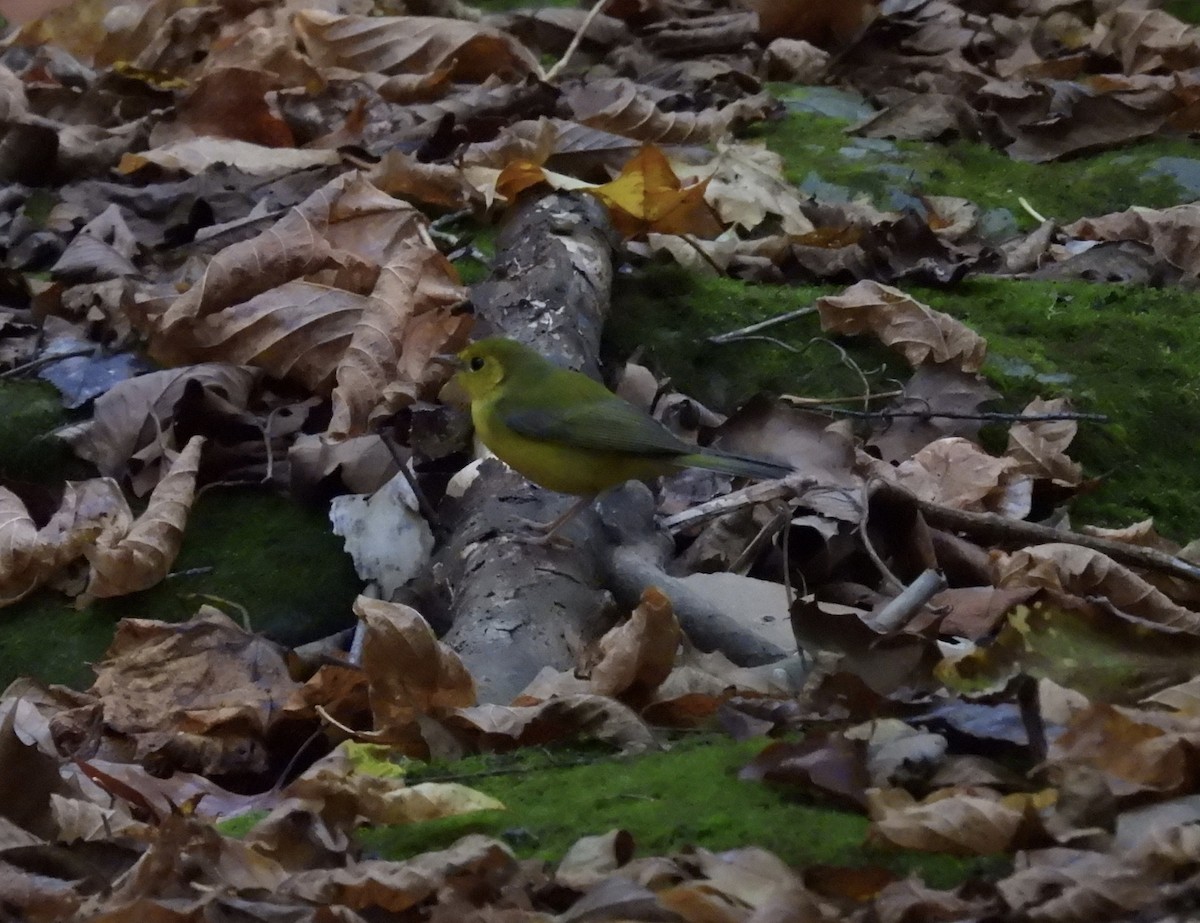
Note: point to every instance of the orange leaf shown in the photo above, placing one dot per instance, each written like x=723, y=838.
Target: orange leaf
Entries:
x=517, y=177
x=648, y=196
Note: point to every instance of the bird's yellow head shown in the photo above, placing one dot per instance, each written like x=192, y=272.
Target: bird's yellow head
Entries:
x=486, y=365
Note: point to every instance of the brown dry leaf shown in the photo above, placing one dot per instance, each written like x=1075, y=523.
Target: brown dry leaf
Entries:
x=88, y=510
x=347, y=288
x=409, y=671
x=749, y=875
x=975, y=611
x=229, y=102
x=473, y=862
x=359, y=784
x=583, y=148
x=829, y=765
x=701, y=682
x=402, y=174
x=1136, y=751
x=932, y=388
x=196, y=155
x=22, y=557
x=1143, y=534
x=78, y=27
x=620, y=106
x=1083, y=572
x=1078, y=886
x=390, y=45
x=697, y=902
x=141, y=558
x=925, y=117
x=1050, y=120
x=823, y=22
x=1147, y=40
x=183, y=854
x=962, y=822
x=598, y=717
x=808, y=442
x=407, y=322
x=635, y=658
x=1173, y=233
x=1087, y=646
x=1184, y=697
x=131, y=419
x=592, y=858
x=1040, y=447
x=911, y=899
x=951, y=217
x=746, y=185
x=199, y=695
x=920, y=333
x=796, y=61
x=727, y=254
x=955, y=472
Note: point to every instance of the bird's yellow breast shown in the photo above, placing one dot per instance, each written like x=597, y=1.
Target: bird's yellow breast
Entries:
x=567, y=469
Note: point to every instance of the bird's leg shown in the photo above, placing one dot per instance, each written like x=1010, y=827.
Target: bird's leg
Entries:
x=547, y=531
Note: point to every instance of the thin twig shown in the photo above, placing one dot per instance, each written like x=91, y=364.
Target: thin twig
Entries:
x=891, y=581
x=734, y=335
x=282, y=778
x=694, y=244
x=190, y=572
x=765, y=535
x=320, y=710
x=210, y=233
x=18, y=370
x=557, y=69
x=865, y=397
x=426, y=507
x=981, y=415
x=797, y=401
x=1003, y=530
x=788, y=487
x=850, y=363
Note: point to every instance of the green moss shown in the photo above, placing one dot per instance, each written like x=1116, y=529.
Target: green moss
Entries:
x=29, y=413
x=670, y=313
x=1187, y=10
x=1120, y=350
x=1125, y=351
x=813, y=146
x=277, y=560
x=667, y=801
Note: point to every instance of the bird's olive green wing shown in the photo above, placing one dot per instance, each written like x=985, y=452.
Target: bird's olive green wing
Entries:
x=606, y=424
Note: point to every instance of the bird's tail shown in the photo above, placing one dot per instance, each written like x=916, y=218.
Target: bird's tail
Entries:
x=742, y=466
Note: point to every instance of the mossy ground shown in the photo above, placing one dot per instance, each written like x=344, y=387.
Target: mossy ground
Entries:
x=891, y=174
x=245, y=550
x=1123, y=351
x=688, y=796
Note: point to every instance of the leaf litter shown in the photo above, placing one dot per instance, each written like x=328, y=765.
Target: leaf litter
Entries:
x=227, y=184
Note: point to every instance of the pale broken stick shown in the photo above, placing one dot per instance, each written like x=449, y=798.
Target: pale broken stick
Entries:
x=760, y=492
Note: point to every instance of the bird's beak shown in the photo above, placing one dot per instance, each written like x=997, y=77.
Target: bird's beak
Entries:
x=447, y=359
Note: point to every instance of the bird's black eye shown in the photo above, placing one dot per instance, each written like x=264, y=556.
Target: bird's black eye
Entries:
x=477, y=363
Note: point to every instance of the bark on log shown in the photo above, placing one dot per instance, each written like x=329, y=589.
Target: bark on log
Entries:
x=518, y=607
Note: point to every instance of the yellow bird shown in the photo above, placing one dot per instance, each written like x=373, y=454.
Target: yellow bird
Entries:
x=564, y=431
